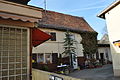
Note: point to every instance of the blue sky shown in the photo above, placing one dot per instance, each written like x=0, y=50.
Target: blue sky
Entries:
x=88, y=9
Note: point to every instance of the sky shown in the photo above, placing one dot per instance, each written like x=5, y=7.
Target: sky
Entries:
x=88, y=9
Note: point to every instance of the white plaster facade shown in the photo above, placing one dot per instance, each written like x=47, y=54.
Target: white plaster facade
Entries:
x=107, y=53
x=112, y=16
x=104, y=49
x=57, y=46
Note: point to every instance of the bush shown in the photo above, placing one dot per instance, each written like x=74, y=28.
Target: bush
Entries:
x=45, y=68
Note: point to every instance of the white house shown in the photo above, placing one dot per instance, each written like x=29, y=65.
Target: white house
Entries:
x=57, y=24
x=112, y=16
x=55, y=46
x=104, y=53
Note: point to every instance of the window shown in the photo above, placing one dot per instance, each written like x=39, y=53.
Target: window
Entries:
x=106, y=52
x=53, y=34
x=48, y=58
x=55, y=58
x=13, y=53
x=40, y=58
x=34, y=58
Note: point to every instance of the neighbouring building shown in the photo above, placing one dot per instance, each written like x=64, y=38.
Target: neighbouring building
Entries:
x=16, y=23
x=104, y=53
x=56, y=24
x=52, y=50
x=112, y=16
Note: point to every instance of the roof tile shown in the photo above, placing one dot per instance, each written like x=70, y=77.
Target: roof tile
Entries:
x=60, y=19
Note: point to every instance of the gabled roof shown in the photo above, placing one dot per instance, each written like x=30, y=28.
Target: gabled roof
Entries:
x=104, y=42
x=102, y=13
x=57, y=20
x=104, y=39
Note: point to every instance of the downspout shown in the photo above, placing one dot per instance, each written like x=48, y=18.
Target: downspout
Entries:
x=30, y=54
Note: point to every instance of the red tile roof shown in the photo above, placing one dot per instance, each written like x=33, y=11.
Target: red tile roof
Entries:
x=64, y=20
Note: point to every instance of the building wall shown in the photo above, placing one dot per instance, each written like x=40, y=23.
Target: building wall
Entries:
x=57, y=46
x=14, y=52
x=20, y=9
x=103, y=47
x=113, y=25
x=43, y=75
x=107, y=53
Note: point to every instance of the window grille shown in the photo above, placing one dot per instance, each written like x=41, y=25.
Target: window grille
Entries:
x=14, y=53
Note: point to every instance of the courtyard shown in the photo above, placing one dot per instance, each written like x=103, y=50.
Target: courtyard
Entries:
x=103, y=73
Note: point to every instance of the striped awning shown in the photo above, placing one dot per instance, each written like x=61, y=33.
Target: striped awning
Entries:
x=17, y=17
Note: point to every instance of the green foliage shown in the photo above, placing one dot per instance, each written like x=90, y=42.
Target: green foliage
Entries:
x=69, y=43
x=69, y=47
x=45, y=68
x=89, y=42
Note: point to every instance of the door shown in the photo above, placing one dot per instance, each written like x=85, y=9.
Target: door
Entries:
x=55, y=58
x=102, y=58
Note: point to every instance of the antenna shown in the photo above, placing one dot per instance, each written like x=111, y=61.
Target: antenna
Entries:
x=45, y=12
x=45, y=6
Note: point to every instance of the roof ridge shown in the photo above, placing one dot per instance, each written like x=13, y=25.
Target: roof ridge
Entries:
x=62, y=13
x=60, y=19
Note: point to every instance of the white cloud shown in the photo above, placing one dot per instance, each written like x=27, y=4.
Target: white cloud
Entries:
x=95, y=3
x=83, y=9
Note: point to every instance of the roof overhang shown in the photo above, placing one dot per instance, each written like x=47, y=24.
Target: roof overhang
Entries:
x=19, y=12
x=20, y=1
x=102, y=14
x=63, y=28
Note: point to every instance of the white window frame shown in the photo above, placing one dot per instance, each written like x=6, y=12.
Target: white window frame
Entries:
x=44, y=57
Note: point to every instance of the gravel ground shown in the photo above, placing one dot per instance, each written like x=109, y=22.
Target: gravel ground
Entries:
x=103, y=73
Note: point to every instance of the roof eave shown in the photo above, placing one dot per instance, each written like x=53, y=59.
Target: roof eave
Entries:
x=102, y=13
x=63, y=28
x=17, y=11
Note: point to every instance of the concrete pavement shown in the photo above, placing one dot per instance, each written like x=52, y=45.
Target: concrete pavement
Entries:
x=103, y=73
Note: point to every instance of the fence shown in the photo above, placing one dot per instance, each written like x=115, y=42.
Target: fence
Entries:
x=43, y=75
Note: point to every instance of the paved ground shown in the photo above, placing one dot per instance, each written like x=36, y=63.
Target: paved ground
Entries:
x=104, y=73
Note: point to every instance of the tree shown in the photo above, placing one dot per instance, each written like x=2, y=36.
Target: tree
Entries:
x=69, y=48
x=89, y=42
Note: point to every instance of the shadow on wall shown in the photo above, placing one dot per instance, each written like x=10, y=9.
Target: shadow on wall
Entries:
x=42, y=75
